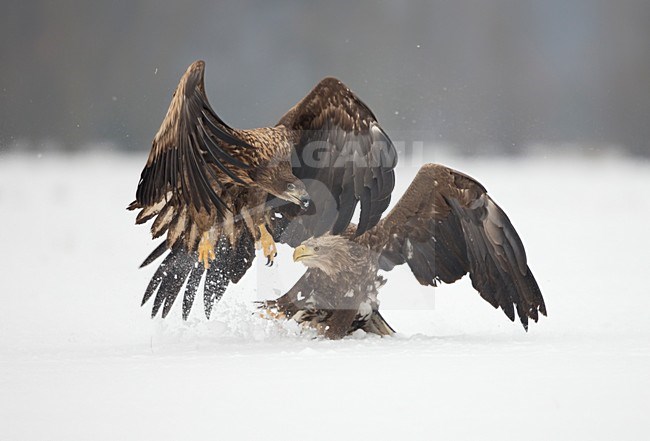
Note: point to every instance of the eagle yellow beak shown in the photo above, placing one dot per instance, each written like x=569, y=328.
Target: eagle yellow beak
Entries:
x=301, y=252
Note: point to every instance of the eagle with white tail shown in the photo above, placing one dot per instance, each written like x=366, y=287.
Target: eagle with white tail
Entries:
x=443, y=227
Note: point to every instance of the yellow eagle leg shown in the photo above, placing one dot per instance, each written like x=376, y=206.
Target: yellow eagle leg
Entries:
x=267, y=244
x=206, y=250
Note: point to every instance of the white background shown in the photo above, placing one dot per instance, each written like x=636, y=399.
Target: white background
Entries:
x=79, y=358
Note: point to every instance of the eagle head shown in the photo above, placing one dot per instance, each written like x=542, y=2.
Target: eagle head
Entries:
x=331, y=254
x=279, y=180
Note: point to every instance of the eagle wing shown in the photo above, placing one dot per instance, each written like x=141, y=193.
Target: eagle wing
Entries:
x=181, y=267
x=445, y=226
x=185, y=185
x=344, y=158
x=193, y=154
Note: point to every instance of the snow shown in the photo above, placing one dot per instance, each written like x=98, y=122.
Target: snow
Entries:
x=79, y=359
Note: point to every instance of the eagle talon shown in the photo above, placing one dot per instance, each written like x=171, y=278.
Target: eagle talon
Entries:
x=270, y=314
x=271, y=311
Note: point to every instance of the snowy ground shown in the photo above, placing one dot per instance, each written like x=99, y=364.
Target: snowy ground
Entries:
x=79, y=359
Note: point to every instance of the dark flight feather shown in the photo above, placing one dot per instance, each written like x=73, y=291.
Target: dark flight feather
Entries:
x=155, y=254
x=355, y=167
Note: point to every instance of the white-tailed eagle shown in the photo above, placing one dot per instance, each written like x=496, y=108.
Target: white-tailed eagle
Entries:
x=216, y=190
x=443, y=227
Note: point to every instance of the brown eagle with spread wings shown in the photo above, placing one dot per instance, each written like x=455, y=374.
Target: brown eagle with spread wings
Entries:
x=217, y=191
x=443, y=227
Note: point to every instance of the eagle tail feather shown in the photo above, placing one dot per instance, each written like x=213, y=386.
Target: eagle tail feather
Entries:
x=378, y=325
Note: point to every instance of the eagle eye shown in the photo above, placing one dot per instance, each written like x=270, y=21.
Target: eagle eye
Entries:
x=291, y=186
x=316, y=249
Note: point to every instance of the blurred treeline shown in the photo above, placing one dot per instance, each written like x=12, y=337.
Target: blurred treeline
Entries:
x=481, y=75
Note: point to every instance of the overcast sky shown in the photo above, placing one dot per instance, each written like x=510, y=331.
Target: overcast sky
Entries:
x=483, y=75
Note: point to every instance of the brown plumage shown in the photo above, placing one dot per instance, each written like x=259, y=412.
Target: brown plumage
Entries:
x=201, y=172
x=212, y=188
x=443, y=227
